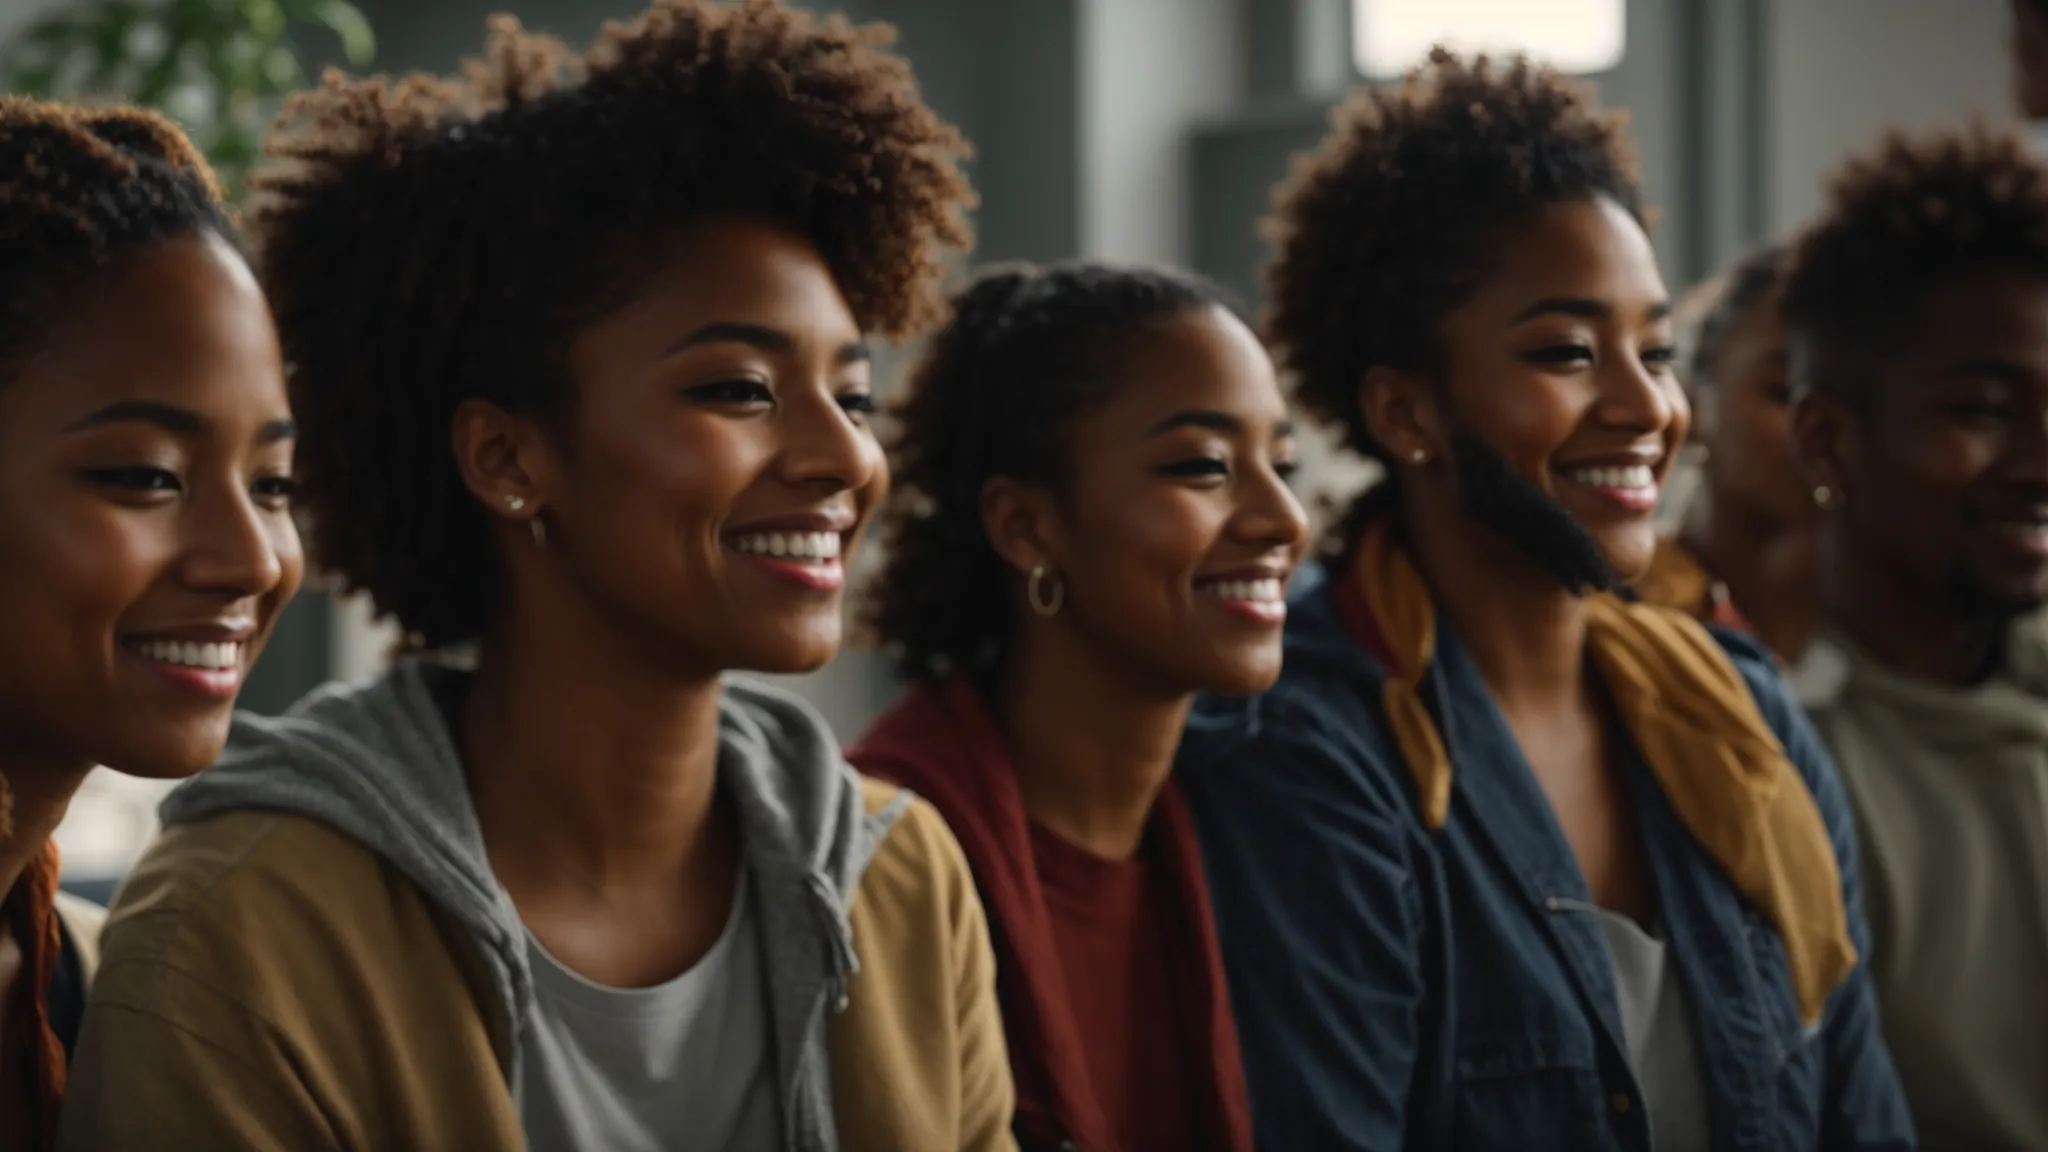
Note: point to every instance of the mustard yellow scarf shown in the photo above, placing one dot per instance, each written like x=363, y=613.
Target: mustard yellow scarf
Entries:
x=1693, y=719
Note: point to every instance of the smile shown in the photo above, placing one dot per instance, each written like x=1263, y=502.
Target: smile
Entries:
x=210, y=668
x=807, y=559
x=1262, y=599
x=1631, y=486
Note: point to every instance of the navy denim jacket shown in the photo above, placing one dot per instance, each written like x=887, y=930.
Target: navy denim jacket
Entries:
x=1401, y=989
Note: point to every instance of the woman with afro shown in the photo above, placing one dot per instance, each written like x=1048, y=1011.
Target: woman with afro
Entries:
x=1093, y=524
x=1507, y=860
x=146, y=539
x=580, y=346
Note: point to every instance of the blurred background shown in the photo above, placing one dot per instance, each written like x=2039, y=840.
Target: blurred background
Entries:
x=1137, y=130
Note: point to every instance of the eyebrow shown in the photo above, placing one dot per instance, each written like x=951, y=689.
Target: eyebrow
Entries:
x=1584, y=307
x=763, y=337
x=2002, y=370
x=1214, y=421
x=173, y=419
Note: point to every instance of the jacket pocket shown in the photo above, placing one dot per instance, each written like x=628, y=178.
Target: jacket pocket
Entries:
x=1532, y=1084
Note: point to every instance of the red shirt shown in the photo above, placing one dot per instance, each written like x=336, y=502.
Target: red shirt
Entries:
x=1117, y=938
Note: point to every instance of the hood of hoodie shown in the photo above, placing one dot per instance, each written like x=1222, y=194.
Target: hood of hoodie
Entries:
x=378, y=763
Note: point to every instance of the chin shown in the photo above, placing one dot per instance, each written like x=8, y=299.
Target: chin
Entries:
x=789, y=655
x=167, y=754
x=1245, y=676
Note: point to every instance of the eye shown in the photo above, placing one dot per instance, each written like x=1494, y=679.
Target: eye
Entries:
x=275, y=490
x=135, y=479
x=858, y=404
x=1200, y=467
x=1287, y=470
x=1978, y=411
x=1778, y=392
x=1559, y=355
x=1661, y=357
x=738, y=392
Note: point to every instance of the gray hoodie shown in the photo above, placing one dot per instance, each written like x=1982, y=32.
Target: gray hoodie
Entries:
x=378, y=764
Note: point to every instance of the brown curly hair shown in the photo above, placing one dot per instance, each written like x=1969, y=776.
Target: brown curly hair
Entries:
x=1028, y=351
x=1388, y=224
x=429, y=240
x=1915, y=213
x=81, y=190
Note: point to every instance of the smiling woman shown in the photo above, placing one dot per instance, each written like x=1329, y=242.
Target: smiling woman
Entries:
x=580, y=353
x=146, y=545
x=1095, y=525
x=1594, y=878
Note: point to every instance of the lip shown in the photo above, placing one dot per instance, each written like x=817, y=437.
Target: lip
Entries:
x=1635, y=501
x=2026, y=536
x=214, y=684
x=1267, y=613
x=810, y=574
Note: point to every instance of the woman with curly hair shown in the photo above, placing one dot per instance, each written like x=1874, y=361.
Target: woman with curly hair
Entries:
x=146, y=540
x=1093, y=525
x=579, y=344
x=1917, y=307
x=1506, y=860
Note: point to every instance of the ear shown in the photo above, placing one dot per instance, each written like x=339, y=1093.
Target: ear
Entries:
x=1400, y=410
x=1824, y=439
x=1022, y=523
x=505, y=460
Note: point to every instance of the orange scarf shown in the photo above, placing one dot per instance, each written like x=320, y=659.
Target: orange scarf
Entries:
x=1693, y=719
x=29, y=1041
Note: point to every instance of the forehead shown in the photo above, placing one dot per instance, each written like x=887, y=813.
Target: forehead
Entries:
x=1206, y=359
x=1590, y=249
x=1986, y=323
x=183, y=323
x=731, y=270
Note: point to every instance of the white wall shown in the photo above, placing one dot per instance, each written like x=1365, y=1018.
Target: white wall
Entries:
x=1840, y=71
x=1151, y=70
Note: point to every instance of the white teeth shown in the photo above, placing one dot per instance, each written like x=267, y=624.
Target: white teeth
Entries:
x=212, y=657
x=800, y=545
x=1633, y=476
x=1268, y=588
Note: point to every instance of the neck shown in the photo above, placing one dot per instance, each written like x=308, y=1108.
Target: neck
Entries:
x=1091, y=744
x=1769, y=568
x=590, y=766
x=1906, y=630
x=39, y=794
x=1526, y=632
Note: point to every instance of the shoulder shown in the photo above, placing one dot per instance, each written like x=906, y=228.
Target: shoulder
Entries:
x=918, y=857
x=1789, y=722
x=258, y=907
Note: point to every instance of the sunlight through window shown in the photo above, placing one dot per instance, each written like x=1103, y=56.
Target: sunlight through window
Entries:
x=1580, y=36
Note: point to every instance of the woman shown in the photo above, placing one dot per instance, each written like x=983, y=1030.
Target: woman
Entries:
x=1629, y=915
x=146, y=544
x=1095, y=525
x=579, y=343
x=1744, y=556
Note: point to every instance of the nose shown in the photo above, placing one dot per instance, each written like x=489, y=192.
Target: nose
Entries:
x=234, y=549
x=824, y=446
x=1269, y=515
x=1637, y=398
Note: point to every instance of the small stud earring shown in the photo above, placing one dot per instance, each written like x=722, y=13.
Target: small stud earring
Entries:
x=1823, y=497
x=514, y=503
x=1419, y=456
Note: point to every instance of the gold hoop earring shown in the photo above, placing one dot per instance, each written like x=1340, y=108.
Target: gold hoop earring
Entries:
x=1034, y=592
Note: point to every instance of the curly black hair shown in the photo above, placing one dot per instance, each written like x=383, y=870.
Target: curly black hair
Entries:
x=1899, y=223
x=1028, y=351
x=1748, y=284
x=83, y=189
x=427, y=241
x=1388, y=225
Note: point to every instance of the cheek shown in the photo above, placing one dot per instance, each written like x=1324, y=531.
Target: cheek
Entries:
x=674, y=486
x=1527, y=416
x=1150, y=546
x=75, y=567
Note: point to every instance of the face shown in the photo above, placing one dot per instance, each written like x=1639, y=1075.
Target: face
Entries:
x=1177, y=533
x=146, y=541
x=1558, y=395
x=1746, y=422
x=1944, y=476
x=719, y=463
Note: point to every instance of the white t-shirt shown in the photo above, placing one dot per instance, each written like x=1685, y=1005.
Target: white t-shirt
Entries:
x=685, y=1066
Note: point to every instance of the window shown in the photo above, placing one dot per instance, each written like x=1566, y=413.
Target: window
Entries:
x=1388, y=37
